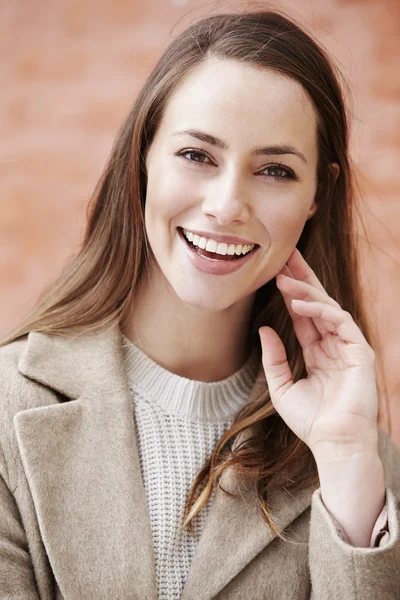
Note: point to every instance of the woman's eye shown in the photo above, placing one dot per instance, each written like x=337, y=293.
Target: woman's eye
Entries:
x=194, y=156
x=278, y=172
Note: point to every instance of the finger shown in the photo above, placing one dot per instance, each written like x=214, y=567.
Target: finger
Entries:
x=276, y=366
x=336, y=319
x=302, y=270
x=285, y=271
x=302, y=290
x=304, y=327
x=308, y=330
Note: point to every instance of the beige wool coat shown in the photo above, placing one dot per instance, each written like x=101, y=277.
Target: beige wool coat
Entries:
x=74, y=523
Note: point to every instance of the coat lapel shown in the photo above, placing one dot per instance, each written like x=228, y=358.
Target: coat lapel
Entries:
x=82, y=466
x=235, y=533
x=81, y=462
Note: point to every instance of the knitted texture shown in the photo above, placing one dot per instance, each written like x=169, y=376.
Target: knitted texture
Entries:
x=178, y=424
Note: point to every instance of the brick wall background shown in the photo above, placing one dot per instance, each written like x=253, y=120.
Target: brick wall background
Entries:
x=70, y=71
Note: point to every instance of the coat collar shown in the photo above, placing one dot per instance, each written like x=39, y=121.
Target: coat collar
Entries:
x=82, y=465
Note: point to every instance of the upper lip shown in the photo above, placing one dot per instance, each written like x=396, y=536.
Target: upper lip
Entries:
x=227, y=239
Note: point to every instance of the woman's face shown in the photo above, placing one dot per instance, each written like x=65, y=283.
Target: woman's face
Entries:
x=213, y=171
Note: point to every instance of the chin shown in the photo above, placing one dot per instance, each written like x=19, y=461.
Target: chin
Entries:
x=207, y=302
x=211, y=298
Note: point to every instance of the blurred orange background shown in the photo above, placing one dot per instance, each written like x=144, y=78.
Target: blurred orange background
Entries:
x=70, y=72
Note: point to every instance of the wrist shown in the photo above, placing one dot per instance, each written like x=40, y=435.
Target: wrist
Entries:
x=353, y=467
x=332, y=452
x=353, y=491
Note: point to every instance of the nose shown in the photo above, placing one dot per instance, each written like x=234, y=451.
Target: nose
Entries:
x=226, y=200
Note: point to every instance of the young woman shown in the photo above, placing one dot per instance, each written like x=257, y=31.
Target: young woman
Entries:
x=190, y=411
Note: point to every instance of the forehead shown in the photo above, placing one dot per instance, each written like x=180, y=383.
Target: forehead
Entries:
x=242, y=104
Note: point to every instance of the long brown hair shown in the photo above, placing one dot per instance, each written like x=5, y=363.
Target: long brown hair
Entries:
x=98, y=285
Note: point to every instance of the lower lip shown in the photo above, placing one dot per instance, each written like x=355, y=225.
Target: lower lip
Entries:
x=215, y=267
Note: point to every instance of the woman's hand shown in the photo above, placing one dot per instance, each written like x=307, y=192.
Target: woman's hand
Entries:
x=334, y=410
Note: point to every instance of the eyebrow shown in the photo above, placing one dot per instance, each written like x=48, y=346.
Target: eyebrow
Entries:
x=264, y=151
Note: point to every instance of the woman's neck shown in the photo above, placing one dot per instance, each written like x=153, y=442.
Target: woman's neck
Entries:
x=191, y=342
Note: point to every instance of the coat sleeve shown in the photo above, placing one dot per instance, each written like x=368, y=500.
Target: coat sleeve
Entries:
x=340, y=571
x=380, y=532
x=17, y=579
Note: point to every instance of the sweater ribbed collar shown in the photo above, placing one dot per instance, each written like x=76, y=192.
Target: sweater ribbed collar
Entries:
x=210, y=401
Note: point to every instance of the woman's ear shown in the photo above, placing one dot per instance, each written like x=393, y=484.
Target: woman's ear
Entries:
x=313, y=209
x=334, y=170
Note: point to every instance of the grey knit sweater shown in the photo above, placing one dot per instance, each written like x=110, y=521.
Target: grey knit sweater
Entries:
x=178, y=423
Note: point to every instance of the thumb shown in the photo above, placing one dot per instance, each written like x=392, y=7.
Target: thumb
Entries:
x=276, y=367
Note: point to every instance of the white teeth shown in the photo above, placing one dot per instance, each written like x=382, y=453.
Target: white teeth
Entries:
x=222, y=248
x=218, y=248
x=211, y=246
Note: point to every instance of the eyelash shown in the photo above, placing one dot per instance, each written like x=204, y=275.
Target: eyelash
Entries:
x=289, y=172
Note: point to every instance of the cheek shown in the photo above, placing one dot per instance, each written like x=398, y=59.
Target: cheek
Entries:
x=168, y=194
x=283, y=224
x=285, y=217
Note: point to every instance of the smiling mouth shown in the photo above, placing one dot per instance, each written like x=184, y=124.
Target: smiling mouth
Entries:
x=213, y=255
